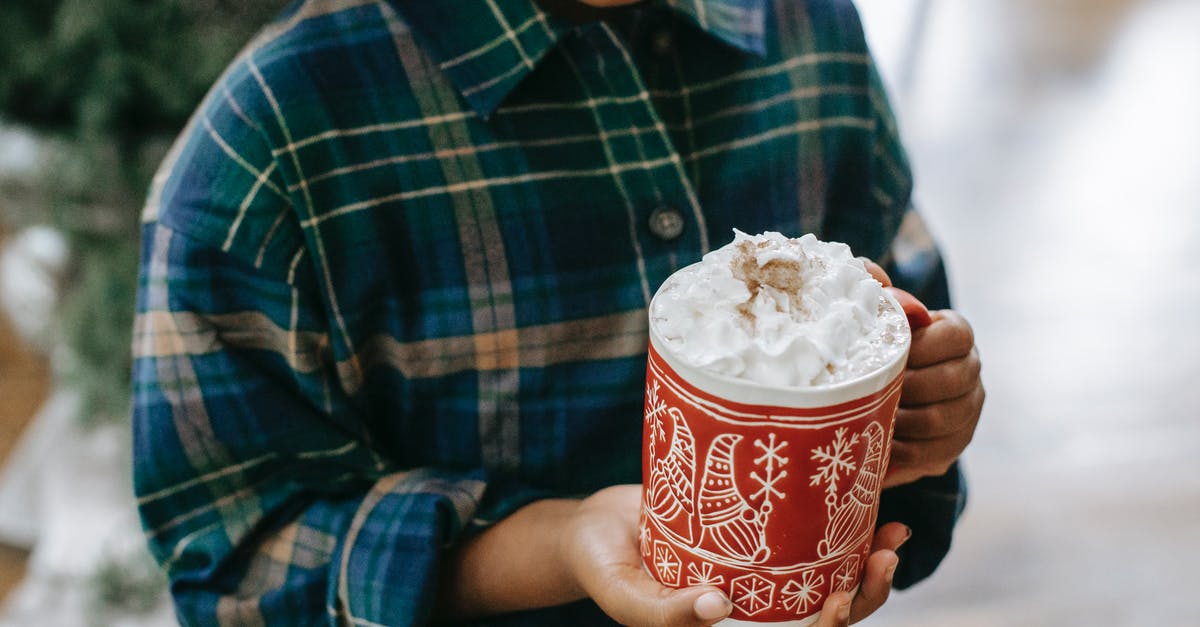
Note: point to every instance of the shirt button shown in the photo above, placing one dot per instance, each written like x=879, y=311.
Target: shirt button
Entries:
x=661, y=42
x=666, y=223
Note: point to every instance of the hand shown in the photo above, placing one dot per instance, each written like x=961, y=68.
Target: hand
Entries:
x=840, y=609
x=940, y=402
x=555, y=551
x=942, y=396
x=599, y=546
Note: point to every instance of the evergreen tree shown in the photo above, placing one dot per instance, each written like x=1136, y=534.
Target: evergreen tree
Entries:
x=107, y=84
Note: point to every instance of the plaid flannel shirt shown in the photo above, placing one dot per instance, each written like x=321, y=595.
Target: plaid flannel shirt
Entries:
x=395, y=275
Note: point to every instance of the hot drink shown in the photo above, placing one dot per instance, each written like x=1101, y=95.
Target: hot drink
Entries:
x=772, y=385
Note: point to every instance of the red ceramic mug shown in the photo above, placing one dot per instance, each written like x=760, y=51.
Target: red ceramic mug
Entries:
x=770, y=494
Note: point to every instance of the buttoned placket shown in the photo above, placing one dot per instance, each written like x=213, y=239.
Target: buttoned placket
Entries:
x=662, y=207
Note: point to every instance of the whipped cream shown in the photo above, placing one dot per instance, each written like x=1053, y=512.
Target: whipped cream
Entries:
x=784, y=312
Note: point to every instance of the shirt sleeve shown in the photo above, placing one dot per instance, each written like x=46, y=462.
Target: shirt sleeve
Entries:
x=259, y=486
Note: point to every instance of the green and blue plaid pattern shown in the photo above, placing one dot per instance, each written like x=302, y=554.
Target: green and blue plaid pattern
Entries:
x=395, y=276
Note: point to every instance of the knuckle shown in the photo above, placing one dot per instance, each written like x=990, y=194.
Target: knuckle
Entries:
x=961, y=377
x=667, y=618
x=914, y=424
x=937, y=468
x=936, y=417
x=972, y=405
x=959, y=333
x=900, y=456
x=979, y=397
x=973, y=365
x=964, y=337
x=974, y=424
x=872, y=596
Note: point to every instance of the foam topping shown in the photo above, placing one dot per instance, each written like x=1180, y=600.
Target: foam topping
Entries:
x=788, y=312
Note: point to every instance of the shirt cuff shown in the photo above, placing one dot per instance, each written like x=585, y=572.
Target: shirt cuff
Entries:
x=385, y=570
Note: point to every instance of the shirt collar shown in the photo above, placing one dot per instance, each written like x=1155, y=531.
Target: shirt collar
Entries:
x=487, y=48
x=739, y=23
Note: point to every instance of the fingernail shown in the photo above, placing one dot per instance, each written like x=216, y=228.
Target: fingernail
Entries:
x=844, y=612
x=891, y=570
x=907, y=535
x=711, y=606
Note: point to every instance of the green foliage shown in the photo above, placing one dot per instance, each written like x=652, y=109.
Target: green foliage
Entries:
x=116, y=69
x=107, y=84
x=126, y=582
x=96, y=321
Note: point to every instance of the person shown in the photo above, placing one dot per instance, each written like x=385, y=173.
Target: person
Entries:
x=391, y=334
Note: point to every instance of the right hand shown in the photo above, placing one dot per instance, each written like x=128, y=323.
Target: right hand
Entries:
x=555, y=551
x=840, y=609
x=599, y=547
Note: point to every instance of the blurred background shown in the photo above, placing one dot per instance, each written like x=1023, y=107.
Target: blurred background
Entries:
x=92, y=92
x=1056, y=145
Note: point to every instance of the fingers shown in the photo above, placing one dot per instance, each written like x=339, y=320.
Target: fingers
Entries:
x=943, y=419
x=925, y=458
x=876, y=584
x=948, y=337
x=602, y=551
x=711, y=606
x=877, y=272
x=839, y=609
x=623, y=501
x=879, y=570
x=836, y=611
x=942, y=381
x=940, y=403
x=931, y=437
x=890, y=536
x=631, y=597
x=914, y=310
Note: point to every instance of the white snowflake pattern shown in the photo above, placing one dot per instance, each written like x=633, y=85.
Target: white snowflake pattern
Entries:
x=752, y=593
x=846, y=575
x=644, y=537
x=798, y=596
x=702, y=575
x=666, y=562
x=834, y=462
x=656, y=406
x=771, y=461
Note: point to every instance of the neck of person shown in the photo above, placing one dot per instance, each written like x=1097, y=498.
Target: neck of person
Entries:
x=579, y=12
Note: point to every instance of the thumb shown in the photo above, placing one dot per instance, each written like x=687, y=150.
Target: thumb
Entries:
x=631, y=597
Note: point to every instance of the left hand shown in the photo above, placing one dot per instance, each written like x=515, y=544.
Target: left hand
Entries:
x=840, y=609
x=940, y=402
x=942, y=396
